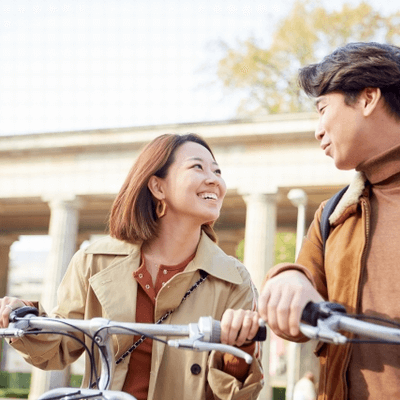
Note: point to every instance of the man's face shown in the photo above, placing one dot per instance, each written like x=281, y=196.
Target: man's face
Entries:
x=340, y=130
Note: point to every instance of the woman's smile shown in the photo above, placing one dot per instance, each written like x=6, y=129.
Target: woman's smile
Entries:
x=208, y=196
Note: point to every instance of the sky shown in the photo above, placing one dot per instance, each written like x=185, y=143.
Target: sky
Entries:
x=92, y=64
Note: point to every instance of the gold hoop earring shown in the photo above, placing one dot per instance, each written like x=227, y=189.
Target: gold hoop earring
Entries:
x=161, y=208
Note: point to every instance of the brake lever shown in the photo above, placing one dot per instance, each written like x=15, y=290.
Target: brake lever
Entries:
x=323, y=331
x=19, y=318
x=22, y=312
x=198, y=344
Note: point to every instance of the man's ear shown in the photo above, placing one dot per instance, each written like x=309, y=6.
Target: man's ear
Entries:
x=370, y=97
x=155, y=187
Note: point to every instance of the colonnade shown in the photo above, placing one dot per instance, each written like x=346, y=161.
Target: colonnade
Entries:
x=260, y=229
x=63, y=231
x=5, y=244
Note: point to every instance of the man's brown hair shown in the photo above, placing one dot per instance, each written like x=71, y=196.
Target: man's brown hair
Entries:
x=133, y=215
x=354, y=67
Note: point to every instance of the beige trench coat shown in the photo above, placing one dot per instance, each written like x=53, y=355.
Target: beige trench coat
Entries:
x=99, y=283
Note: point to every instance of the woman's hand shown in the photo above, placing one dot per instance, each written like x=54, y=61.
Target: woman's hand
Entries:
x=237, y=326
x=8, y=304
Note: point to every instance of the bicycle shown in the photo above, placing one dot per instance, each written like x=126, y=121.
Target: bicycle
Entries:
x=324, y=320
x=201, y=336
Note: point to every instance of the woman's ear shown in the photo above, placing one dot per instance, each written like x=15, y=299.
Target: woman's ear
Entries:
x=155, y=187
x=370, y=97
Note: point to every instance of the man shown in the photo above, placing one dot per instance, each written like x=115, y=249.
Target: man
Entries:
x=357, y=92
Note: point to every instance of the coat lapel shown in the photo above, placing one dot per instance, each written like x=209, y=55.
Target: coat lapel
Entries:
x=209, y=258
x=116, y=290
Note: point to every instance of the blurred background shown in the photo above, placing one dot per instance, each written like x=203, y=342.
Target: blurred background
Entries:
x=73, y=65
x=84, y=84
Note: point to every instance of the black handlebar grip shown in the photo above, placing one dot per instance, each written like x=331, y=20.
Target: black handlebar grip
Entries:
x=310, y=313
x=261, y=335
x=216, y=332
x=22, y=311
x=314, y=311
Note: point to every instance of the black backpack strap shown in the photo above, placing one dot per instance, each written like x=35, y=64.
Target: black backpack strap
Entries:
x=326, y=213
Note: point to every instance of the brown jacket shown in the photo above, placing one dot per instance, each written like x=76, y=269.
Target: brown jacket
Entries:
x=336, y=276
x=99, y=283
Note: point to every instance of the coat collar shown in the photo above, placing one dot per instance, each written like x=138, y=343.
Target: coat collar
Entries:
x=209, y=257
x=350, y=197
x=111, y=246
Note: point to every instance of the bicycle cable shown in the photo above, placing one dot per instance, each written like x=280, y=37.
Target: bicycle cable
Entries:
x=361, y=341
x=86, y=348
x=129, y=330
x=93, y=368
x=138, y=333
x=372, y=318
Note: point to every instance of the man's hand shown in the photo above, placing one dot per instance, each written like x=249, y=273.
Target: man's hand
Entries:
x=283, y=299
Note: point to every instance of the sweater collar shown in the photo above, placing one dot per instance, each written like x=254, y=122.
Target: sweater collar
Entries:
x=383, y=167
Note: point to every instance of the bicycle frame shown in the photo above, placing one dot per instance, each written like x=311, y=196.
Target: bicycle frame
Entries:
x=83, y=394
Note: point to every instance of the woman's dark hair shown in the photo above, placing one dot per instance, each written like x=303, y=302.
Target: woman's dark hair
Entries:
x=133, y=215
x=352, y=68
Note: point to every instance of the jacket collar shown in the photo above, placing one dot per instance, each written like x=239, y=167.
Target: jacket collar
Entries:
x=209, y=257
x=111, y=246
x=351, y=197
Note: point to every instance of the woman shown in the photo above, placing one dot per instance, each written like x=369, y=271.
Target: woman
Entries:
x=161, y=247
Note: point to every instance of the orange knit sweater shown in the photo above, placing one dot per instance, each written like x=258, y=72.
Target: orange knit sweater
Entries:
x=375, y=368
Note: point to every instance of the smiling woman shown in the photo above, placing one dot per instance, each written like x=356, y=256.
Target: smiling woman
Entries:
x=193, y=190
x=161, y=249
x=161, y=176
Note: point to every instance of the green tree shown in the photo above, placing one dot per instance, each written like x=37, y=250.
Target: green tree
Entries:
x=268, y=76
x=285, y=248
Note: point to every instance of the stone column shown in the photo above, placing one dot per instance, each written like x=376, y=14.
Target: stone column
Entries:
x=259, y=249
x=300, y=356
x=298, y=198
x=63, y=230
x=260, y=231
x=5, y=244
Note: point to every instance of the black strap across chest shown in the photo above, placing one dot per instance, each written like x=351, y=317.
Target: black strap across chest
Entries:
x=203, y=277
x=330, y=206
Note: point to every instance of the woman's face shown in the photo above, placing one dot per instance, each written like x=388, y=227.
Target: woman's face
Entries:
x=193, y=187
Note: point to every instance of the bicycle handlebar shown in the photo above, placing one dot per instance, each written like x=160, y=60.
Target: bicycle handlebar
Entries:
x=201, y=336
x=325, y=319
x=314, y=311
x=210, y=328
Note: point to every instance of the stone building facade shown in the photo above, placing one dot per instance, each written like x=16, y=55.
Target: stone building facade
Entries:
x=63, y=184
